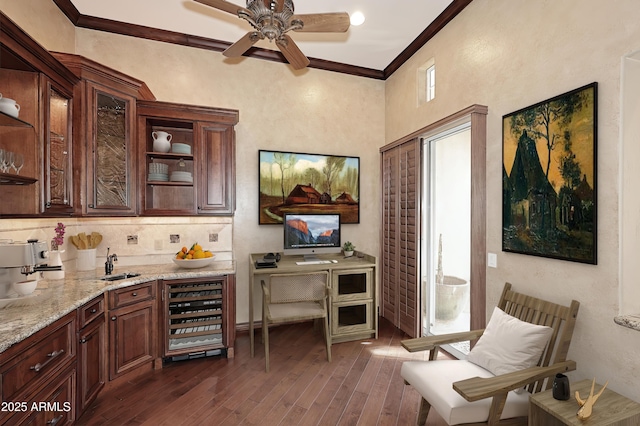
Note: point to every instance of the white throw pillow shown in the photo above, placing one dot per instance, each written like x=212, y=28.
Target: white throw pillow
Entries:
x=509, y=344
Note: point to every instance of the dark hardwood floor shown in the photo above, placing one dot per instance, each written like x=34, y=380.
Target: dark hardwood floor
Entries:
x=361, y=386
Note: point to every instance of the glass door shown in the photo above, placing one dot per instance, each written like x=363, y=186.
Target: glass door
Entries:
x=58, y=170
x=446, y=235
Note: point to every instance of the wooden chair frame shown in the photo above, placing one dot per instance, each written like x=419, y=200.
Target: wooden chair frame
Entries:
x=553, y=360
x=304, y=306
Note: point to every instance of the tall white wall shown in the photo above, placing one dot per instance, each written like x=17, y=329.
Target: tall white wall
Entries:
x=509, y=54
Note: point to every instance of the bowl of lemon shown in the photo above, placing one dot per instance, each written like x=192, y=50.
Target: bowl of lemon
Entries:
x=194, y=257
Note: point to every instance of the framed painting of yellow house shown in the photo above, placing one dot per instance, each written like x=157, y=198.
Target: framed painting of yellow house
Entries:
x=294, y=182
x=549, y=177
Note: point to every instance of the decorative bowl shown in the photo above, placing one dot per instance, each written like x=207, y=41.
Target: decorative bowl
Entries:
x=193, y=263
x=25, y=288
x=181, y=148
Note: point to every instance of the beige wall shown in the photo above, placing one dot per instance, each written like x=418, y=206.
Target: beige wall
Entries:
x=43, y=21
x=508, y=54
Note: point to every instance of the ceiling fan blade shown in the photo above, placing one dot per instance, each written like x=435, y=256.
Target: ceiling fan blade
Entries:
x=324, y=22
x=242, y=45
x=222, y=5
x=292, y=52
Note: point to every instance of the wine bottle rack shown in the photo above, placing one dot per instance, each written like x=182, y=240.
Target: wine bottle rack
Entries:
x=195, y=320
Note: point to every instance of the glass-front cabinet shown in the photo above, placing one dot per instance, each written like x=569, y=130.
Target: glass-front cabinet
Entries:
x=105, y=125
x=110, y=165
x=36, y=94
x=58, y=155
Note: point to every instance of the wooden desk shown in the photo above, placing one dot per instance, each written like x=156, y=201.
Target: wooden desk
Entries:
x=610, y=409
x=353, y=304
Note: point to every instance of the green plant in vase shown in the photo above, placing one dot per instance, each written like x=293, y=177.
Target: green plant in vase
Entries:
x=348, y=248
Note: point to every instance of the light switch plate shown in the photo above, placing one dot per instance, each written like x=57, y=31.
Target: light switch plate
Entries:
x=492, y=260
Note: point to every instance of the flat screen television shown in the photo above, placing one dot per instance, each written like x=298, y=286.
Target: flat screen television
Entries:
x=310, y=234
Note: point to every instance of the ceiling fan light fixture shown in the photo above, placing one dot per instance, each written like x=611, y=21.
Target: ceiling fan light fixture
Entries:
x=357, y=18
x=272, y=20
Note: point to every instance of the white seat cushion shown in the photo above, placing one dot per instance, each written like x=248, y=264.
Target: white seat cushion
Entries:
x=434, y=381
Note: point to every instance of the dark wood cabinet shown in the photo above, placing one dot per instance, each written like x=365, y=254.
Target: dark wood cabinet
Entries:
x=42, y=368
x=32, y=77
x=216, y=193
x=92, y=351
x=84, y=132
x=57, y=155
x=105, y=123
x=55, y=402
x=205, y=178
x=132, y=322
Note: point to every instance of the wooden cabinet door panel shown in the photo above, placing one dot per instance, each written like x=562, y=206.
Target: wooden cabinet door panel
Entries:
x=131, y=337
x=215, y=192
x=92, y=350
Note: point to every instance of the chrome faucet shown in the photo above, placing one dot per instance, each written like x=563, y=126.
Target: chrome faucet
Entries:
x=108, y=265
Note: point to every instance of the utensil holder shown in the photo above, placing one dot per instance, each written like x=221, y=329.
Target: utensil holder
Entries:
x=86, y=260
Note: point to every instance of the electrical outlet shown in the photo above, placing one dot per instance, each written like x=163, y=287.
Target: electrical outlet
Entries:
x=132, y=239
x=157, y=244
x=213, y=238
x=174, y=238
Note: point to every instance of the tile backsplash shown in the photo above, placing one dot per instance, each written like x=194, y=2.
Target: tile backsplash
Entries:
x=136, y=240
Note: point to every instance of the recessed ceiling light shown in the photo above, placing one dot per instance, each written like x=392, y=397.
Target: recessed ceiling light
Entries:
x=357, y=18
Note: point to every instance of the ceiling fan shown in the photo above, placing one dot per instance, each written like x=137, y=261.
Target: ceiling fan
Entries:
x=272, y=19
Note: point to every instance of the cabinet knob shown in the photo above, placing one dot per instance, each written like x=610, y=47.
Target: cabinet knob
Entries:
x=113, y=318
x=91, y=206
x=94, y=310
x=134, y=294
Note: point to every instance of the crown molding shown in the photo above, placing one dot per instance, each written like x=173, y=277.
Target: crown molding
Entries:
x=122, y=28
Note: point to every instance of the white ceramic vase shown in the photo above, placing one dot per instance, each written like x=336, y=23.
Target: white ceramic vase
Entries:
x=161, y=141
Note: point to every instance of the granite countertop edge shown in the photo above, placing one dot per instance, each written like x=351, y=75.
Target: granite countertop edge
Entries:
x=53, y=299
x=629, y=321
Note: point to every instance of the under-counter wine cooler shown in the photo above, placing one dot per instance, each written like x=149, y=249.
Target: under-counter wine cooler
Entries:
x=200, y=317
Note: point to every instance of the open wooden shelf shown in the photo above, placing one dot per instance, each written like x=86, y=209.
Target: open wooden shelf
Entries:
x=9, y=179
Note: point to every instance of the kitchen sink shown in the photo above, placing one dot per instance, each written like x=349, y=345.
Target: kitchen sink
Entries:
x=117, y=277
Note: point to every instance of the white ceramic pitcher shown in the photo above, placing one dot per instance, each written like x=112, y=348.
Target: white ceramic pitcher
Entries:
x=9, y=106
x=161, y=141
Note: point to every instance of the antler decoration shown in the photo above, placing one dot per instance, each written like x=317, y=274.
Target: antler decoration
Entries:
x=586, y=406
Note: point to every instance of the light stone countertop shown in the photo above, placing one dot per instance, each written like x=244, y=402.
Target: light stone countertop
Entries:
x=629, y=321
x=53, y=299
